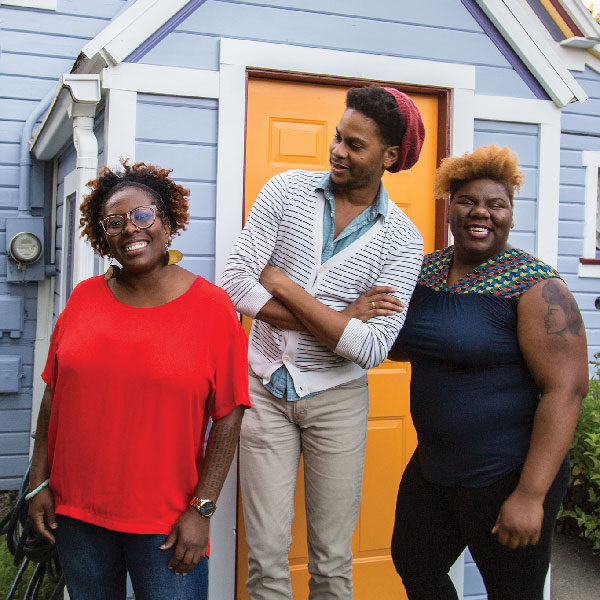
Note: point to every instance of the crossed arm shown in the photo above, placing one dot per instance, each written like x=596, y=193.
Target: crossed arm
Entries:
x=557, y=359
x=292, y=307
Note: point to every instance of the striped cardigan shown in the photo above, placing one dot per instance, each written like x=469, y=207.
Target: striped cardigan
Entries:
x=285, y=229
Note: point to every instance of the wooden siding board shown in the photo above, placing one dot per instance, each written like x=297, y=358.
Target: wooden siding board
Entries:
x=329, y=30
x=14, y=420
x=570, y=229
x=51, y=23
x=191, y=125
x=12, y=109
x=440, y=13
x=570, y=211
x=571, y=195
x=10, y=131
x=173, y=52
x=24, y=87
x=9, y=153
x=11, y=466
x=18, y=63
x=574, y=176
x=379, y=29
x=35, y=44
x=14, y=443
x=188, y=162
x=577, y=123
x=9, y=199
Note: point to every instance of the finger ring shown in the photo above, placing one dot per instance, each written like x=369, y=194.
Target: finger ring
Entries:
x=373, y=305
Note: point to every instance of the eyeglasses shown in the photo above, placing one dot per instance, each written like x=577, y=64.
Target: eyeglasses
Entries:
x=142, y=217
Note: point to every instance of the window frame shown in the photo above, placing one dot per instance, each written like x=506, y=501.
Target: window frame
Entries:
x=589, y=263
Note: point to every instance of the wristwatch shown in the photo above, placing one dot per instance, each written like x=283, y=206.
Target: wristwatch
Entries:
x=206, y=508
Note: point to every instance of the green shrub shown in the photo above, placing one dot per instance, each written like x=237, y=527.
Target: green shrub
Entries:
x=580, y=512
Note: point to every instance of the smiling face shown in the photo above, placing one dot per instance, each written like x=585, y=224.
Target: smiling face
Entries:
x=357, y=154
x=137, y=250
x=480, y=217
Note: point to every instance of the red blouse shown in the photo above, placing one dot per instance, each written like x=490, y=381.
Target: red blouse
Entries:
x=132, y=393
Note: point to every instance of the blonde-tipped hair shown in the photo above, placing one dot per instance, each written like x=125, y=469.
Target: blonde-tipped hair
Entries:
x=486, y=162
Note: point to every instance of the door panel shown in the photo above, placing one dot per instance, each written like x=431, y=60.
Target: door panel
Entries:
x=290, y=125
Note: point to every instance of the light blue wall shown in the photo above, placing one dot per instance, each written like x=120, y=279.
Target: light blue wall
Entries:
x=522, y=139
x=440, y=30
x=580, y=131
x=38, y=46
x=181, y=134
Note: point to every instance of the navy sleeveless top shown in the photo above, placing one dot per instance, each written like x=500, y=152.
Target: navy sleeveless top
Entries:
x=472, y=398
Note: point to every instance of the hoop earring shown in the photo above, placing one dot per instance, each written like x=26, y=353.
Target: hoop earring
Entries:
x=113, y=270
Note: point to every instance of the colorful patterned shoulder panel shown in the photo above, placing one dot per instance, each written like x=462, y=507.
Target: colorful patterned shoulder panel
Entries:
x=509, y=274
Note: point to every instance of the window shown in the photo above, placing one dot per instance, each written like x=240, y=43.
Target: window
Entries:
x=589, y=263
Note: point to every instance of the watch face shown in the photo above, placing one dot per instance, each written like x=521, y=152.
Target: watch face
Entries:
x=207, y=508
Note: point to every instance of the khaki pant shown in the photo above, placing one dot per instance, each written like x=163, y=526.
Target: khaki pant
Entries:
x=329, y=429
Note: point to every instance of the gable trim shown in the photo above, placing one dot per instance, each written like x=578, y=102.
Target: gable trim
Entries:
x=131, y=29
x=505, y=49
x=523, y=31
x=164, y=30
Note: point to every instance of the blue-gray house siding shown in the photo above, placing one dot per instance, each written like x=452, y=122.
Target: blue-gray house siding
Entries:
x=580, y=131
x=37, y=47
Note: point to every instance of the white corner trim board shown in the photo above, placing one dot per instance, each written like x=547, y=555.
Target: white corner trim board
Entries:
x=238, y=55
x=41, y=4
x=120, y=117
x=591, y=161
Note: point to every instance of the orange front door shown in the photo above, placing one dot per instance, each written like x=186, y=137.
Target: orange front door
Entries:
x=290, y=125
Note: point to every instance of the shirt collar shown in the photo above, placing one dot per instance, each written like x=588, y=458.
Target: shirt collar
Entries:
x=379, y=207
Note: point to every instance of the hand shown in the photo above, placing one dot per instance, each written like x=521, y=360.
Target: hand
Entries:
x=41, y=513
x=519, y=522
x=190, y=532
x=374, y=303
x=271, y=277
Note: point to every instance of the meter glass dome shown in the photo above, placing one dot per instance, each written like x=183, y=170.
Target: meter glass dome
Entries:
x=25, y=248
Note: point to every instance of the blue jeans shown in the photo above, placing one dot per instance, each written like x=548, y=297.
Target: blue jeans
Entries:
x=95, y=561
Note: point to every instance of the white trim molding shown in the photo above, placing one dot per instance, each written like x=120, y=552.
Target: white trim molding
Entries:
x=514, y=20
x=590, y=159
x=238, y=55
x=546, y=115
x=129, y=30
x=153, y=79
x=120, y=117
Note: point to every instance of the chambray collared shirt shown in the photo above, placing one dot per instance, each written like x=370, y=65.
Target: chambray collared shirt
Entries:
x=281, y=380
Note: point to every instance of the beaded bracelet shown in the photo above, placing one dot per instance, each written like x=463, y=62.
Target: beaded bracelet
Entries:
x=38, y=489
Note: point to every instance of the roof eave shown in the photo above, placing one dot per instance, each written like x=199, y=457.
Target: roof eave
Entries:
x=517, y=25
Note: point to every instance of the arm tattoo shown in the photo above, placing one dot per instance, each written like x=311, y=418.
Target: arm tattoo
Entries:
x=221, y=445
x=562, y=316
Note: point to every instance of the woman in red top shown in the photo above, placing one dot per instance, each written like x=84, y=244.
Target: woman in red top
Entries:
x=140, y=359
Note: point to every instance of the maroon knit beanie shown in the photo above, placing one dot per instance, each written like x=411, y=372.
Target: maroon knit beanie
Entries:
x=414, y=135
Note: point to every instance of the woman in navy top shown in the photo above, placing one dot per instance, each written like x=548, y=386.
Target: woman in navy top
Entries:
x=499, y=368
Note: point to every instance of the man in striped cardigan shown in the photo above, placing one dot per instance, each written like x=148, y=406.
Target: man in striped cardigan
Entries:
x=323, y=266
